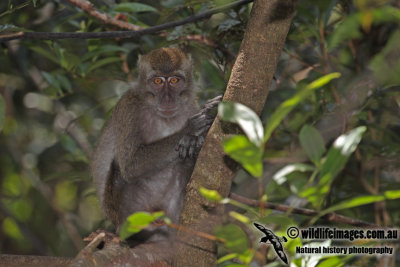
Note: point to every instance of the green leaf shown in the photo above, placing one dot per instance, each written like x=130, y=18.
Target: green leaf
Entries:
x=2, y=111
x=246, y=153
x=351, y=203
x=247, y=119
x=333, y=261
x=46, y=54
x=339, y=153
x=11, y=27
x=280, y=176
x=247, y=256
x=236, y=239
x=349, y=29
x=227, y=257
x=134, y=8
x=392, y=194
x=102, y=62
x=137, y=222
x=171, y=3
x=64, y=82
x=312, y=143
x=104, y=49
x=334, y=162
x=386, y=64
x=359, y=201
x=292, y=102
x=239, y=217
x=52, y=80
x=227, y=24
x=211, y=195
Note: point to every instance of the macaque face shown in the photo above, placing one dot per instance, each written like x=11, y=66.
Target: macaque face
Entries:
x=166, y=81
x=166, y=92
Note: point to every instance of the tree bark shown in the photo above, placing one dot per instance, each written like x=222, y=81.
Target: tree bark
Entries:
x=249, y=84
x=30, y=261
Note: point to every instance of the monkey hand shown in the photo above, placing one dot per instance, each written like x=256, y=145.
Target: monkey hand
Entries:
x=199, y=124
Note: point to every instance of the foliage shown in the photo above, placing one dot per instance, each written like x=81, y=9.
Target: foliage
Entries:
x=325, y=141
x=137, y=222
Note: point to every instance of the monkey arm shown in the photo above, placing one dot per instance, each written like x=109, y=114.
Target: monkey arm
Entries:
x=102, y=160
x=184, y=144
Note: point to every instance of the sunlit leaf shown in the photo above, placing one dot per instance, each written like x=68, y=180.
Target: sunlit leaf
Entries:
x=211, y=195
x=292, y=102
x=312, y=143
x=246, y=153
x=339, y=153
x=333, y=261
x=280, y=176
x=227, y=257
x=239, y=217
x=247, y=256
x=392, y=194
x=247, y=119
x=11, y=229
x=137, y=222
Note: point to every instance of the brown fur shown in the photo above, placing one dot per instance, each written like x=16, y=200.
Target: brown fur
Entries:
x=135, y=166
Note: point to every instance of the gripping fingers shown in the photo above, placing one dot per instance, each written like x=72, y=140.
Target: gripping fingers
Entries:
x=199, y=124
x=212, y=103
x=189, y=146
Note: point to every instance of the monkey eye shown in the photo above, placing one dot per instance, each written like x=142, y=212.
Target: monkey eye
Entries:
x=174, y=80
x=158, y=81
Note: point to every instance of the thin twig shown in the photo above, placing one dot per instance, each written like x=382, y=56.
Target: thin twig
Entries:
x=332, y=217
x=105, y=18
x=89, y=8
x=118, y=34
x=194, y=232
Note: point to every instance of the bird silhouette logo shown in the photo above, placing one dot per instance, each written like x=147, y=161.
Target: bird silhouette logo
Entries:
x=274, y=240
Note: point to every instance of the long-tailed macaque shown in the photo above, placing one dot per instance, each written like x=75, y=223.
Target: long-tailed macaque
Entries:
x=148, y=148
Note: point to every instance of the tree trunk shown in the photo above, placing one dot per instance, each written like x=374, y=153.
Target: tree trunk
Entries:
x=249, y=84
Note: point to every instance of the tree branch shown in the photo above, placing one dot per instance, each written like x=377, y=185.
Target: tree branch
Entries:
x=331, y=217
x=29, y=261
x=105, y=18
x=118, y=34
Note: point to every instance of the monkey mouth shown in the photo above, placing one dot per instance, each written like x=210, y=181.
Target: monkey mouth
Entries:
x=167, y=112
